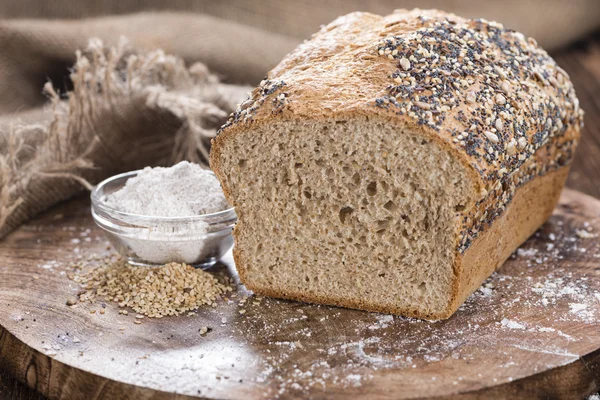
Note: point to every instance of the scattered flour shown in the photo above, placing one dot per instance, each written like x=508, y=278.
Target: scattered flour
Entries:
x=555, y=288
x=584, y=234
x=583, y=311
x=507, y=323
x=354, y=379
x=383, y=321
x=527, y=252
x=577, y=307
x=50, y=265
x=487, y=288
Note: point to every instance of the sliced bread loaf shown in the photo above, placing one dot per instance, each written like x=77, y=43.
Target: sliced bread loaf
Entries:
x=393, y=163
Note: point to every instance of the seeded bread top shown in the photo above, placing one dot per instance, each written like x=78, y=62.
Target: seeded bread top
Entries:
x=488, y=94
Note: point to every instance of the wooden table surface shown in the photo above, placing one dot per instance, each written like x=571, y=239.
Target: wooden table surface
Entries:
x=582, y=62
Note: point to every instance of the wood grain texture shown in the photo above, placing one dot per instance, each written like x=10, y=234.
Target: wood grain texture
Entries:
x=12, y=389
x=507, y=341
x=582, y=63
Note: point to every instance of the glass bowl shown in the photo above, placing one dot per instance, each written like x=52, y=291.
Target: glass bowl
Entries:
x=199, y=240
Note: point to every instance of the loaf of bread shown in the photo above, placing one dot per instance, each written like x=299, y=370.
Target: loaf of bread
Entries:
x=393, y=163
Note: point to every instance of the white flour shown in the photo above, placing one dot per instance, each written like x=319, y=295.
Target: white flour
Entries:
x=183, y=190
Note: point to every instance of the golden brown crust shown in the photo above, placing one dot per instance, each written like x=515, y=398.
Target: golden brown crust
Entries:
x=494, y=99
x=531, y=206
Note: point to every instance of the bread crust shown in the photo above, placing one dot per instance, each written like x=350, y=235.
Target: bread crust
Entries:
x=513, y=122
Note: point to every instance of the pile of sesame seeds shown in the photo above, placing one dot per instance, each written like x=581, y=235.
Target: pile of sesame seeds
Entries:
x=156, y=292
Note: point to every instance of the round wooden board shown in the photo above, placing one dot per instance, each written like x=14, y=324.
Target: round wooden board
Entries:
x=533, y=330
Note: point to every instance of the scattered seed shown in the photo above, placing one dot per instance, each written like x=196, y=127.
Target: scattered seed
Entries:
x=498, y=124
x=471, y=97
x=404, y=63
x=500, y=72
x=423, y=105
x=246, y=104
x=540, y=77
x=492, y=137
x=510, y=147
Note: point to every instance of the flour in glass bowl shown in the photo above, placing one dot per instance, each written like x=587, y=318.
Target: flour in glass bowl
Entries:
x=183, y=190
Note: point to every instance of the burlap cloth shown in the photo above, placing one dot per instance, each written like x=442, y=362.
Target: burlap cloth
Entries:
x=83, y=99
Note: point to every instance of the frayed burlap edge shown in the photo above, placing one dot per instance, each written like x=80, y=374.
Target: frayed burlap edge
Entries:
x=40, y=162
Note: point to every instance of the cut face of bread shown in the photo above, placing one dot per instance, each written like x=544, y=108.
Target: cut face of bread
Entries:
x=355, y=212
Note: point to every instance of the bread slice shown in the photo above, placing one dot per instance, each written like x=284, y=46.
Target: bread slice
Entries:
x=393, y=163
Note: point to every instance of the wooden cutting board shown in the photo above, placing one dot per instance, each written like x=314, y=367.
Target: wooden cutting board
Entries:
x=533, y=330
